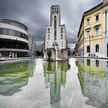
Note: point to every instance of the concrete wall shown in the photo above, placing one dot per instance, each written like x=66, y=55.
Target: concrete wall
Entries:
x=62, y=54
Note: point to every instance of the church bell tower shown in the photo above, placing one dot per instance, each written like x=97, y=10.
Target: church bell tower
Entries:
x=55, y=36
x=55, y=14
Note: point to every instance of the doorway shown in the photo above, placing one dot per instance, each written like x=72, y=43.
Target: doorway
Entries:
x=107, y=49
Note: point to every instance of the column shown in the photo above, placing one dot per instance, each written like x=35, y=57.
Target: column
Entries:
x=12, y=54
x=15, y=54
x=103, y=23
x=107, y=21
x=104, y=39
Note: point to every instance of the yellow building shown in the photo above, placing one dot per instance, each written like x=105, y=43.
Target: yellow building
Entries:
x=93, y=32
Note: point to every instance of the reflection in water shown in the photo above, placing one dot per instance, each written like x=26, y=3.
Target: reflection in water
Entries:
x=93, y=77
x=14, y=75
x=55, y=77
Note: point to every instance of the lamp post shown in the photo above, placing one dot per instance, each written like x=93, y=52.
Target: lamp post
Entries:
x=89, y=45
x=83, y=46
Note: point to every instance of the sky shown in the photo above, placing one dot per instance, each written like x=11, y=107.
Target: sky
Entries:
x=35, y=14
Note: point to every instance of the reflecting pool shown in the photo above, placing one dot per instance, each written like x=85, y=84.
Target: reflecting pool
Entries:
x=14, y=75
x=77, y=83
x=93, y=77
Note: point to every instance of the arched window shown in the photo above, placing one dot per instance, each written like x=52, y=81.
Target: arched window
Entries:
x=61, y=30
x=106, y=24
x=61, y=36
x=62, y=44
x=97, y=48
x=47, y=44
x=88, y=48
x=55, y=24
x=48, y=37
x=57, y=10
x=48, y=30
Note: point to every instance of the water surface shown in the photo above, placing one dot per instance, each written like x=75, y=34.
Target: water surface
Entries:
x=77, y=83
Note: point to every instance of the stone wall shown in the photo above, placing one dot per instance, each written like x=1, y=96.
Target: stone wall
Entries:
x=62, y=54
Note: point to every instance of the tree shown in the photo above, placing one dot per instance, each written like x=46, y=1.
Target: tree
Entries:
x=38, y=53
x=69, y=52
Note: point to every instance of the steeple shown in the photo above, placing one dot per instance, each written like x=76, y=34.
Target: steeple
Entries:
x=55, y=12
x=55, y=9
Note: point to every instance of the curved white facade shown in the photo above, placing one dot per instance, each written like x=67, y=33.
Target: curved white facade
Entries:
x=14, y=39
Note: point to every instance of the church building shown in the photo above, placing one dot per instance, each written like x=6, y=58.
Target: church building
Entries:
x=55, y=36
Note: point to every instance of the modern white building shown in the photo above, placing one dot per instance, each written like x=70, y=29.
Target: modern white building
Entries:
x=14, y=39
x=32, y=47
x=55, y=36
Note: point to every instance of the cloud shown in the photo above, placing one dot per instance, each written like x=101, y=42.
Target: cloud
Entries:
x=35, y=14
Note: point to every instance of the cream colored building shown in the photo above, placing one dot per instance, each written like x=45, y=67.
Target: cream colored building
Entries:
x=93, y=80
x=93, y=32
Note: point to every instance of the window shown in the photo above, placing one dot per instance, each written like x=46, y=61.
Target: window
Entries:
x=21, y=35
x=47, y=44
x=61, y=30
x=62, y=44
x=55, y=35
x=97, y=29
x=55, y=21
x=97, y=18
x=88, y=62
x=55, y=24
x=11, y=32
x=55, y=38
x=15, y=24
x=48, y=30
x=6, y=31
x=106, y=22
x=16, y=33
x=87, y=33
x=88, y=21
x=0, y=30
x=48, y=37
x=57, y=10
x=88, y=49
x=97, y=63
x=97, y=48
x=61, y=36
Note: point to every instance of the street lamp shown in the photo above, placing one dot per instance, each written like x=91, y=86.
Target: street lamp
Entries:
x=90, y=39
x=89, y=45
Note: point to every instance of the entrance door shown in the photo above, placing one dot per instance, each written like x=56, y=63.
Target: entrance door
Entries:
x=107, y=50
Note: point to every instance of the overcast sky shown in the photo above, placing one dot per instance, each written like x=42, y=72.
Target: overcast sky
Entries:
x=35, y=14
